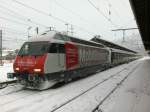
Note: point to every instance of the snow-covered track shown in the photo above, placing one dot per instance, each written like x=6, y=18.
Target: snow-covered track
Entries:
x=6, y=83
x=97, y=108
x=10, y=89
x=98, y=84
x=65, y=96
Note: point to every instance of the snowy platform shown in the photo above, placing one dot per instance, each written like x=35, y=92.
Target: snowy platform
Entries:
x=133, y=95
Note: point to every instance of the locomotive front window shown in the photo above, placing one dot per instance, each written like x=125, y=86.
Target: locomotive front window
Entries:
x=34, y=48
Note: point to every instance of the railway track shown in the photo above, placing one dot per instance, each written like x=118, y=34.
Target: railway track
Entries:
x=6, y=83
x=9, y=87
x=98, y=84
x=97, y=108
x=30, y=93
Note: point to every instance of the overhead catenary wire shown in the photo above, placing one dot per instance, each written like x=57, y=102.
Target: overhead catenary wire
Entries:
x=14, y=33
x=20, y=17
x=10, y=38
x=13, y=40
x=13, y=21
x=7, y=32
x=77, y=15
x=71, y=12
x=39, y=11
x=12, y=30
x=115, y=11
x=10, y=11
x=11, y=33
x=54, y=17
x=102, y=14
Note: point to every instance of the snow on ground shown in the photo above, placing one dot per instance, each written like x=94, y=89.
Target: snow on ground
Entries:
x=90, y=100
x=134, y=94
x=46, y=101
x=7, y=67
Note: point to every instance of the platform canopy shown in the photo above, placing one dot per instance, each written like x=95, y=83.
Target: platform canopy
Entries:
x=141, y=10
x=110, y=44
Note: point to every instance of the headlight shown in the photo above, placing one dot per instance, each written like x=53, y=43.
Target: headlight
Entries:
x=17, y=69
x=37, y=70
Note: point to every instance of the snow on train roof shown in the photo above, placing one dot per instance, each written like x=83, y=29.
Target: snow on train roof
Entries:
x=47, y=36
x=51, y=37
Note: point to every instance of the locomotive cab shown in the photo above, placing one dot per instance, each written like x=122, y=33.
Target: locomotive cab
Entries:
x=31, y=57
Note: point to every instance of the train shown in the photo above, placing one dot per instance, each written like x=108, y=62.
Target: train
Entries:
x=54, y=57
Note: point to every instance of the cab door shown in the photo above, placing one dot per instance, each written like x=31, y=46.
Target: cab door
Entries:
x=61, y=55
x=55, y=60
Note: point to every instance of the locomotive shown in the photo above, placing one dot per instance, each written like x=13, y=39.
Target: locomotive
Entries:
x=54, y=57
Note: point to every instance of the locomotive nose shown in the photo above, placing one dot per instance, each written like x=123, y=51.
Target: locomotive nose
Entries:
x=29, y=64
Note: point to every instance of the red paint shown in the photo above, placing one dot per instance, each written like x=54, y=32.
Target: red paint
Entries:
x=71, y=55
x=27, y=64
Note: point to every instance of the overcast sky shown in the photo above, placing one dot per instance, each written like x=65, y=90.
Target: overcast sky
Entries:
x=87, y=21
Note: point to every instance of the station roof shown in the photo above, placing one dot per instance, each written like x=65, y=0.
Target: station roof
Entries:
x=110, y=44
x=141, y=10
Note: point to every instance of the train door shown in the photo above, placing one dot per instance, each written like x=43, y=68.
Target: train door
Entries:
x=55, y=60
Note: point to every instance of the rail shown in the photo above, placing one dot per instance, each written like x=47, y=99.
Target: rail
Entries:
x=6, y=83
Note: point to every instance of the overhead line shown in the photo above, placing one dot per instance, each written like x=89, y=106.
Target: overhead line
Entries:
x=7, y=19
x=13, y=40
x=72, y=12
x=14, y=33
x=50, y=15
x=23, y=18
x=39, y=11
x=15, y=13
x=115, y=10
x=10, y=29
x=9, y=38
x=125, y=29
x=100, y=12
